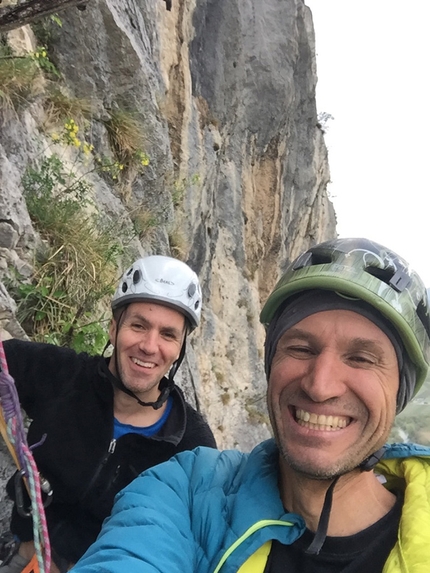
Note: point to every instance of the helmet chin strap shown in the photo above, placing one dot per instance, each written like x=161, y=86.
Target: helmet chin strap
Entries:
x=321, y=533
x=165, y=385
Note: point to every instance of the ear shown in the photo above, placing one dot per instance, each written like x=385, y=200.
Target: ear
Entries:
x=112, y=331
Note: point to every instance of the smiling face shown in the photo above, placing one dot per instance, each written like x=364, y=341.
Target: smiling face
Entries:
x=332, y=392
x=147, y=342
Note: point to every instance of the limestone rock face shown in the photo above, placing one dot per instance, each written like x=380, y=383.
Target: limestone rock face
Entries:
x=225, y=91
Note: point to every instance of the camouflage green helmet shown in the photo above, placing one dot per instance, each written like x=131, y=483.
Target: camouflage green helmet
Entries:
x=365, y=270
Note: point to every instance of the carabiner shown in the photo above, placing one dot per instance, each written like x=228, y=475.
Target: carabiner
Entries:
x=45, y=486
x=19, y=494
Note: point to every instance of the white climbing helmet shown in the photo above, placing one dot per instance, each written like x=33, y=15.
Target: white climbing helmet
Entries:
x=164, y=280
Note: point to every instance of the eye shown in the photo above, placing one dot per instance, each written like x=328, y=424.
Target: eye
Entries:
x=299, y=351
x=168, y=335
x=362, y=359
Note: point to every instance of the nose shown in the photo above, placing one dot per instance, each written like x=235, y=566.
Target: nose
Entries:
x=148, y=342
x=325, y=377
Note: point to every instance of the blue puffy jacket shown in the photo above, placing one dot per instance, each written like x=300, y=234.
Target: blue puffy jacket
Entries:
x=207, y=511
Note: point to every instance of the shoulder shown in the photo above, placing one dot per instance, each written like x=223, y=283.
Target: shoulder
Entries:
x=24, y=349
x=206, y=468
x=406, y=450
x=46, y=364
x=404, y=461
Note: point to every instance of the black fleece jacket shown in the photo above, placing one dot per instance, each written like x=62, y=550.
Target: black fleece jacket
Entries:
x=69, y=399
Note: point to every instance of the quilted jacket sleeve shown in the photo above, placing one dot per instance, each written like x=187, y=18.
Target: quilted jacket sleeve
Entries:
x=159, y=522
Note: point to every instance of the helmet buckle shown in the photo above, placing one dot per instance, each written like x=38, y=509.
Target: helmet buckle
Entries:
x=400, y=281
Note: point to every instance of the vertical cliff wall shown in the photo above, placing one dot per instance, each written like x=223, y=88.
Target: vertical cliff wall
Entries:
x=225, y=93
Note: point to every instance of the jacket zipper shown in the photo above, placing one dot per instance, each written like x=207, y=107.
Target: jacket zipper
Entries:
x=110, y=451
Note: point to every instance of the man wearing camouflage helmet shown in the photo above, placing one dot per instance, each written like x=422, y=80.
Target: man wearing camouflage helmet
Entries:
x=107, y=419
x=347, y=347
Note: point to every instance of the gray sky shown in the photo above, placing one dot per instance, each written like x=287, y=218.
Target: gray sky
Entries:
x=373, y=59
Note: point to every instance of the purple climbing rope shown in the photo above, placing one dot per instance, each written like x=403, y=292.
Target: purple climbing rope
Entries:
x=11, y=407
x=16, y=433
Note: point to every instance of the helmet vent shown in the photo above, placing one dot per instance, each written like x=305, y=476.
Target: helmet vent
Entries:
x=136, y=277
x=191, y=289
x=124, y=287
x=309, y=259
x=398, y=280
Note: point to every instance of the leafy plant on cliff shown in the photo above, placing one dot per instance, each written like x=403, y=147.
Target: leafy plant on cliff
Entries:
x=41, y=57
x=77, y=268
x=47, y=29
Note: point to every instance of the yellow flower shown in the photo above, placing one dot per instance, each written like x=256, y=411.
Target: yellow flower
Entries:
x=88, y=148
x=55, y=137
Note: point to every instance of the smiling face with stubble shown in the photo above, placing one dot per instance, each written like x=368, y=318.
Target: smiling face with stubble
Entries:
x=332, y=392
x=147, y=341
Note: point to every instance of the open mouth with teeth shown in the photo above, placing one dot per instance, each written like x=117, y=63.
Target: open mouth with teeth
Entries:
x=143, y=364
x=320, y=422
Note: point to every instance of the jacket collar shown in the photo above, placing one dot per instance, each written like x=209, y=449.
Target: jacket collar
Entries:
x=174, y=428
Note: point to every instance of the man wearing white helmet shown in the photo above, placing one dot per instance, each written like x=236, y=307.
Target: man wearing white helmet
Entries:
x=347, y=347
x=107, y=419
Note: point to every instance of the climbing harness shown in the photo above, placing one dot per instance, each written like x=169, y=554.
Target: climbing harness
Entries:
x=14, y=435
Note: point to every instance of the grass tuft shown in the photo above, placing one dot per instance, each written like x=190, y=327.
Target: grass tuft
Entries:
x=77, y=268
x=125, y=132
x=20, y=79
x=60, y=106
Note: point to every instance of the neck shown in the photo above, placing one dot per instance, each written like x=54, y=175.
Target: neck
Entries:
x=128, y=411
x=357, y=489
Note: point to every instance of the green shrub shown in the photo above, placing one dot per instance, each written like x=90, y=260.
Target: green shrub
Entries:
x=77, y=270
